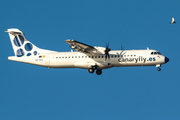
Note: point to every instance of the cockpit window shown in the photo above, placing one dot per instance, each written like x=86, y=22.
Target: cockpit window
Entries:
x=158, y=53
x=155, y=53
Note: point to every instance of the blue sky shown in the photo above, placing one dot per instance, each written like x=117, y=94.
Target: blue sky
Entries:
x=33, y=92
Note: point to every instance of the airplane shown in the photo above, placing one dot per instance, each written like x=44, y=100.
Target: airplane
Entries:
x=88, y=57
x=173, y=21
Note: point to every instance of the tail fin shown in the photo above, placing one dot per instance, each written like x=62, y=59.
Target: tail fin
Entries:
x=21, y=46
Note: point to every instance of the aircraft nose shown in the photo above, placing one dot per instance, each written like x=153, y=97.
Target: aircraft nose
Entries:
x=166, y=59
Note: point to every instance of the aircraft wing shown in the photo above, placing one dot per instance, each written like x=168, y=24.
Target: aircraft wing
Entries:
x=81, y=47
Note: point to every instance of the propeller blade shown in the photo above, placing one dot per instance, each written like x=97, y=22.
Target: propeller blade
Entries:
x=106, y=51
x=106, y=57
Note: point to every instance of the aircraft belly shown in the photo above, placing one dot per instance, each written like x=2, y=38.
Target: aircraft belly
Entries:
x=139, y=64
x=83, y=65
x=61, y=63
x=29, y=60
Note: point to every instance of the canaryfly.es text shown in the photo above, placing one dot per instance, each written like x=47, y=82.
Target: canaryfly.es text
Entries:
x=136, y=60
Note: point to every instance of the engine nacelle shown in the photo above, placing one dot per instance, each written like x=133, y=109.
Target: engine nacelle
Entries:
x=100, y=50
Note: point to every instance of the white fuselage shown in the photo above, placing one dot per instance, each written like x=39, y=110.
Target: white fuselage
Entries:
x=118, y=58
x=86, y=57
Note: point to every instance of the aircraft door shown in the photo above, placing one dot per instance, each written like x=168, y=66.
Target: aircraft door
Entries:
x=47, y=61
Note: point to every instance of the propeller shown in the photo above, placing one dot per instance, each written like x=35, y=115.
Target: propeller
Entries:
x=106, y=51
x=122, y=47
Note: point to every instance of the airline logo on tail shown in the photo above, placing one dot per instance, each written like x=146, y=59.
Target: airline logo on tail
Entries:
x=21, y=46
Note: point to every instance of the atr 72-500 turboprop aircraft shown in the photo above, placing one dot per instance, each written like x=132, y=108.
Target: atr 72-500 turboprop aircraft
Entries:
x=86, y=57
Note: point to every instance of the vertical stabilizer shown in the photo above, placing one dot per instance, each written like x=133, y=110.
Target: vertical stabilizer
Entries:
x=21, y=46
